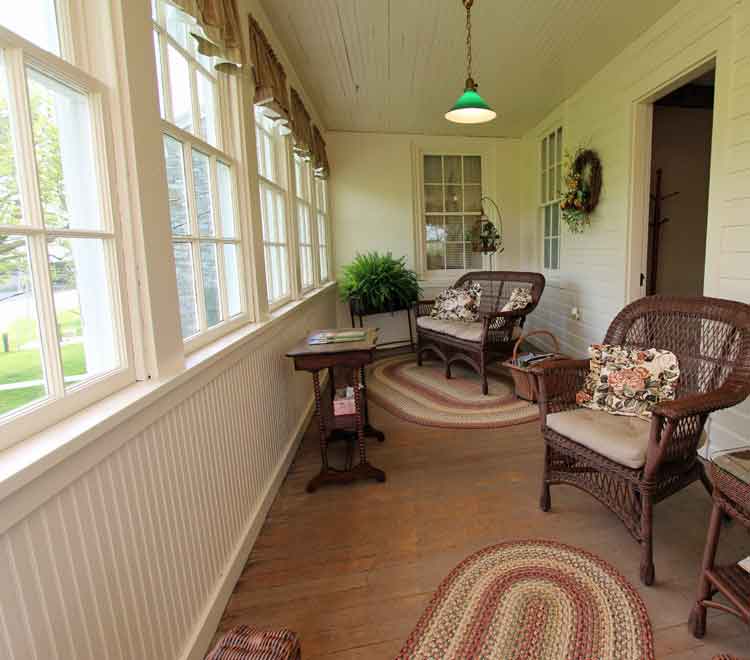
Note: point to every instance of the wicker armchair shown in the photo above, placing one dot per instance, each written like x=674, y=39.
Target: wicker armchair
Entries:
x=478, y=344
x=629, y=464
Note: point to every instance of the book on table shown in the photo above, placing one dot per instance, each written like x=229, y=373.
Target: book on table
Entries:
x=336, y=336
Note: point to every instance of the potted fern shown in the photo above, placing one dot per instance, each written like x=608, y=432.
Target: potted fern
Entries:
x=375, y=283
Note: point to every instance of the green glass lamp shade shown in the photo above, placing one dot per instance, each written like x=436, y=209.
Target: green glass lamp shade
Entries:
x=470, y=109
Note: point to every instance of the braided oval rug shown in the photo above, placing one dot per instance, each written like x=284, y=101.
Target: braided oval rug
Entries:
x=536, y=600
x=423, y=395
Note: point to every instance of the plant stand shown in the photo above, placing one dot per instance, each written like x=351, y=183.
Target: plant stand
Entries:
x=356, y=312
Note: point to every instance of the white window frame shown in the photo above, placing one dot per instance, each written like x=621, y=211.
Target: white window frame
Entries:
x=196, y=67
x=473, y=215
x=61, y=402
x=445, y=146
x=225, y=95
x=322, y=219
x=550, y=192
x=304, y=204
x=278, y=185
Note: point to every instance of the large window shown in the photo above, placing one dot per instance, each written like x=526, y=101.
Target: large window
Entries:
x=551, y=150
x=303, y=192
x=272, y=154
x=321, y=202
x=200, y=178
x=62, y=337
x=452, y=204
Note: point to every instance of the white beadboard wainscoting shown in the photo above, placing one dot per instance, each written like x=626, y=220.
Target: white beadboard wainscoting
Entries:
x=136, y=556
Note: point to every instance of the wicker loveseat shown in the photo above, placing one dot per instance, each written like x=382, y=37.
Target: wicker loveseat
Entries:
x=491, y=338
x=630, y=464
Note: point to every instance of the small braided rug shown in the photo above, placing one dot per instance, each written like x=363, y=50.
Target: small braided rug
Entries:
x=423, y=395
x=536, y=600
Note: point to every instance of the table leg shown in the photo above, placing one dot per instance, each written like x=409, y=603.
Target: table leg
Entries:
x=369, y=430
x=697, y=621
x=363, y=470
x=316, y=481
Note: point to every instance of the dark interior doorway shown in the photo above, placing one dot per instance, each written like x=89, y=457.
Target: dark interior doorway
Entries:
x=680, y=172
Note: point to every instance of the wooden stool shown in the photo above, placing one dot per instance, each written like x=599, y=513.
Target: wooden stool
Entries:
x=248, y=643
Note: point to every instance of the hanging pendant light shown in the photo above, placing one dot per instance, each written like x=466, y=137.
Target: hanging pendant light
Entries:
x=470, y=107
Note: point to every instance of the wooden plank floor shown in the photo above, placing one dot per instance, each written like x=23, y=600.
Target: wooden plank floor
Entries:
x=350, y=568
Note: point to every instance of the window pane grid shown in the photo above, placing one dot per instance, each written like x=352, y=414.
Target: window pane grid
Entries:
x=206, y=246
x=452, y=204
x=306, y=243
x=187, y=80
x=551, y=190
x=60, y=314
x=321, y=204
x=272, y=150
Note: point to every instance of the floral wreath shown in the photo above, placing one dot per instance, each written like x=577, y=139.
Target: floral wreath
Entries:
x=583, y=184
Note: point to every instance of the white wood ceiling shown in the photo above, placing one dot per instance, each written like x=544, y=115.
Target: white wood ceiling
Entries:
x=398, y=65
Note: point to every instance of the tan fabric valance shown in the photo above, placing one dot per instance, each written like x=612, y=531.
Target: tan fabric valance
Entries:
x=320, y=158
x=271, y=90
x=301, y=126
x=218, y=30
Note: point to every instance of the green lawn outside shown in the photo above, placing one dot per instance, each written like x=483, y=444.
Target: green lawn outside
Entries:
x=20, y=366
x=22, y=331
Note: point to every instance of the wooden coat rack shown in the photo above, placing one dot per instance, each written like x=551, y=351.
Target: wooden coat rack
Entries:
x=655, y=223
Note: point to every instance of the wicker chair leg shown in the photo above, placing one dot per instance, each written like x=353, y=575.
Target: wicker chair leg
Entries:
x=697, y=621
x=647, y=551
x=447, y=369
x=483, y=375
x=419, y=353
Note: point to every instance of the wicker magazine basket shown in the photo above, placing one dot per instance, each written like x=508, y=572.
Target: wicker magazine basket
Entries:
x=524, y=380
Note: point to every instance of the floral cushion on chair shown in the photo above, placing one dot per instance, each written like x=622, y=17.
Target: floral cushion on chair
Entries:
x=625, y=381
x=520, y=298
x=461, y=304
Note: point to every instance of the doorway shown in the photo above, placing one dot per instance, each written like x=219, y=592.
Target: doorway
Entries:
x=681, y=136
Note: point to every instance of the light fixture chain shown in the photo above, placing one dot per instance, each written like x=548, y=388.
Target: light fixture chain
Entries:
x=468, y=40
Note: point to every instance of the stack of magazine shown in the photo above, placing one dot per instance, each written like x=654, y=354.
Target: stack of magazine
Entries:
x=336, y=336
x=528, y=360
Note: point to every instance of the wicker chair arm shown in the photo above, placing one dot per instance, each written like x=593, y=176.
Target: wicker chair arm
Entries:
x=423, y=307
x=700, y=404
x=559, y=381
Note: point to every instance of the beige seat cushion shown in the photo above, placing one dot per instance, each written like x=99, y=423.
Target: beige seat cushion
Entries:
x=617, y=437
x=458, y=329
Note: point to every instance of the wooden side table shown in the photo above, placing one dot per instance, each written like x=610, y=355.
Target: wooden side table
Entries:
x=731, y=497
x=354, y=356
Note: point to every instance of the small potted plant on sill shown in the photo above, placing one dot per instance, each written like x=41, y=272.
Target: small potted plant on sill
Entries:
x=375, y=283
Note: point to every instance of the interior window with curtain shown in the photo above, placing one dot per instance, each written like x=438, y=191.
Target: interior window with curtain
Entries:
x=452, y=187
x=62, y=325
x=271, y=146
x=200, y=176
x=550, y=187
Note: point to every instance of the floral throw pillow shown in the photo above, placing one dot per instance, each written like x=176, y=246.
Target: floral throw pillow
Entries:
x=625, y=381
x=519, y=299
x=460, y=304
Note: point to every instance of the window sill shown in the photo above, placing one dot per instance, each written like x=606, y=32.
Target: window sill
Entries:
x=29, y=459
